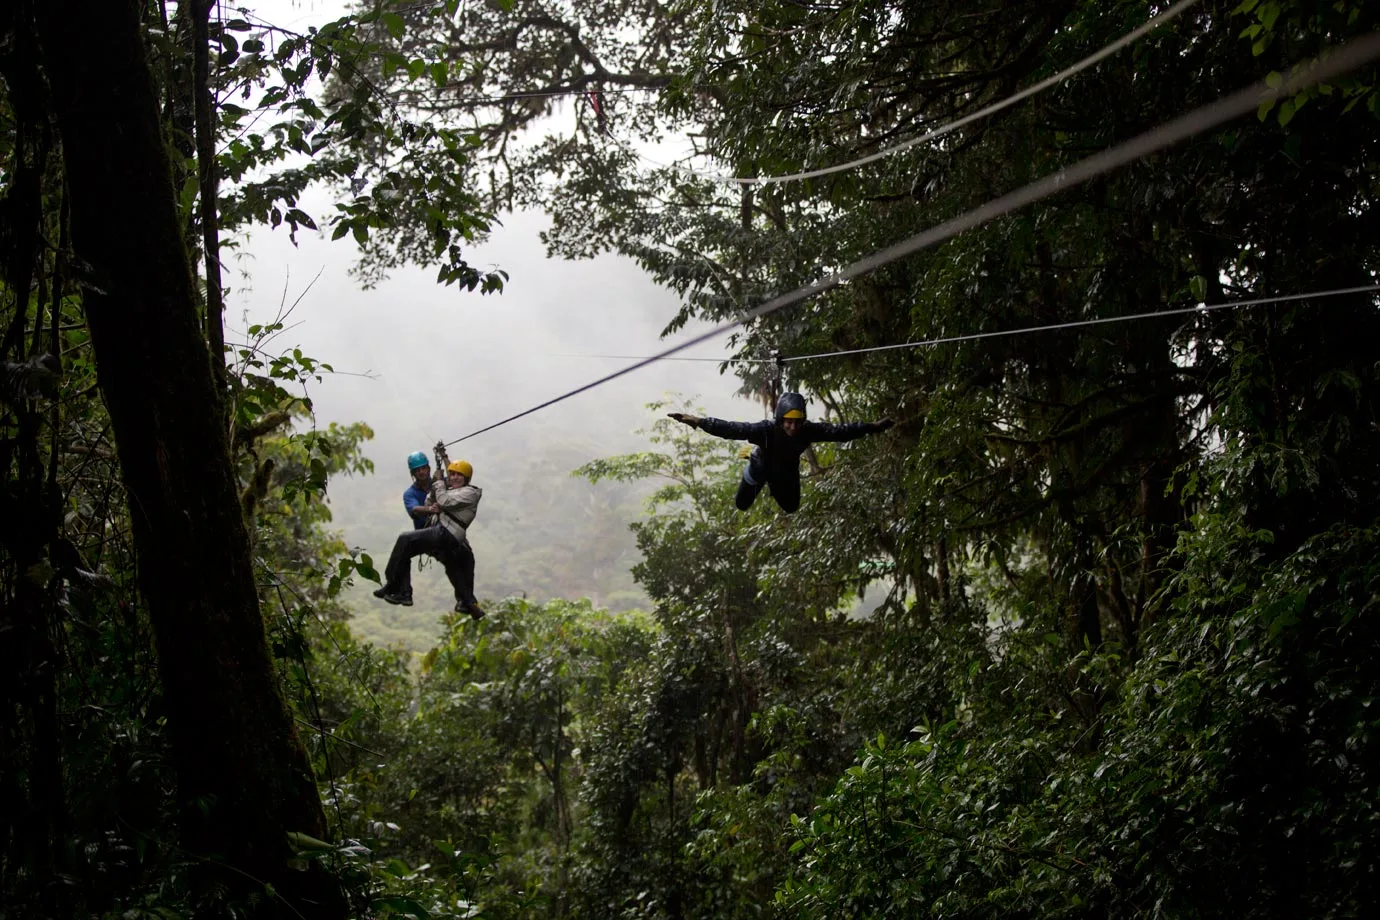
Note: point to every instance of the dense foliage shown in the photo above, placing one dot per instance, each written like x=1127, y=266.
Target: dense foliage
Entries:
x=1089, y=633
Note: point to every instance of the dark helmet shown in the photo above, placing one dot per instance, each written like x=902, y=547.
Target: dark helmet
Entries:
x=790, y=405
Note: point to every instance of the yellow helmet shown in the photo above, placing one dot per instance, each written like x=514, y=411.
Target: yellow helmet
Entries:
x=462, y=467
x=790, y=405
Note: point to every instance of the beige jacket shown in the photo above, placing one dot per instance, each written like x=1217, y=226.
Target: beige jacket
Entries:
x=458, y=507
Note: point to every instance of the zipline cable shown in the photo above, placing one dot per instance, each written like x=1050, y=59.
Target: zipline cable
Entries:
x=643, y=357
x=1022, y=330
x=519, y=95
x=1099, y=321
x=952, y=126
x=1347, y=58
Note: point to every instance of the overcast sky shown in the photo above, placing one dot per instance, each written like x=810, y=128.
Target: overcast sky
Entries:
x=443, y=363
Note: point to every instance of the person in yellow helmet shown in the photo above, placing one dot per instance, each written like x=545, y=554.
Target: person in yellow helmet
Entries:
x=455, y=502
x=778, y=444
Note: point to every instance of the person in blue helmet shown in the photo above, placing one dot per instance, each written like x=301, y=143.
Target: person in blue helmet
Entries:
x=417, y=496
x=442, y=512
x=778, y=444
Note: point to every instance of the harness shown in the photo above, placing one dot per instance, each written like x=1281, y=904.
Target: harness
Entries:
x=464, y=528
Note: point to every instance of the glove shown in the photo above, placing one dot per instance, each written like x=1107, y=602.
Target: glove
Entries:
x=685, y=419
x=883, y=425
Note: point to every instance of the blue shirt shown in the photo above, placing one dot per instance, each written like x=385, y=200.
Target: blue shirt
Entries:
x=415, y=495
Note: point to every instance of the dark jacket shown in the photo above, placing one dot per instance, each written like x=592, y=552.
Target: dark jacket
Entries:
x=776, y=454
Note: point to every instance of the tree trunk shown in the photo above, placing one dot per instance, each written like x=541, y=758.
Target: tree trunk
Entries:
x=208, y=180
x=244, y=776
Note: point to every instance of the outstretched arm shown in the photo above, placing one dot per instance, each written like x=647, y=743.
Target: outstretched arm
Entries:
x=847, y=431
x=730, y=431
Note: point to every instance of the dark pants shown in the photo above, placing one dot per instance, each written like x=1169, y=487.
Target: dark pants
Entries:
x=784, y=486
x=455, y=557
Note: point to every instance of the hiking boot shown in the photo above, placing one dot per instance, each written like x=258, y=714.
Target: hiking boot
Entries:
x=474, y=610
x=394, y=597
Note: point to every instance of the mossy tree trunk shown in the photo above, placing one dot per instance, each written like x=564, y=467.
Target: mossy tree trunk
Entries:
x=244, y=777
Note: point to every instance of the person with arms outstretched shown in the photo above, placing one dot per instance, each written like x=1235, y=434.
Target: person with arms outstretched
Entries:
x=778, y=444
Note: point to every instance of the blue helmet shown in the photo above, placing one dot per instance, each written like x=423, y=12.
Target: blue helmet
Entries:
x=416, y=460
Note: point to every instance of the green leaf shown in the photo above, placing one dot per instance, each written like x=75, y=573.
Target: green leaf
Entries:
x=306, y=842
x=1283, y=621
x=395, y=904
x=298, y=216
x=1197, y=286
x=392, y=63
